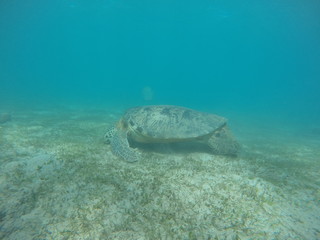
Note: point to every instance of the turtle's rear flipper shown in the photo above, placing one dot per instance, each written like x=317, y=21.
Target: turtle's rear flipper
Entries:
x=222, y=142
x=120, y=147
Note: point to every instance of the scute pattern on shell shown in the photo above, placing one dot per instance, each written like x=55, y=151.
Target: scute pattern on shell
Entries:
x=167, y=122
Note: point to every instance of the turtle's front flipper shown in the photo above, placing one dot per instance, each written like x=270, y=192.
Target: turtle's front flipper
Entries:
x=110, y=134
x=120, y=147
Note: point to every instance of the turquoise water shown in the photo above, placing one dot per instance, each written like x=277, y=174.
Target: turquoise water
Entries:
x=70, y=68
x=240, y=56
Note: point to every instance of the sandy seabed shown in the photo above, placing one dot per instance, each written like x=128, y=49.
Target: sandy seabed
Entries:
x=59, y=180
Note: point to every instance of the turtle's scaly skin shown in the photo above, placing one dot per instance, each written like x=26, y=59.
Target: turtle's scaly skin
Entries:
x=165, y=124
x=120, y=147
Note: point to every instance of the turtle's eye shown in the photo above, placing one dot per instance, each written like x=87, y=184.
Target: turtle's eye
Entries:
x=217, y=134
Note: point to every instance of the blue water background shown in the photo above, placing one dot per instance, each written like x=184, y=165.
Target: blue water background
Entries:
x=245, y=57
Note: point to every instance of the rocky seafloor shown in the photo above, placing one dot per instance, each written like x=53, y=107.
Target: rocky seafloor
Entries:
x=59, y=180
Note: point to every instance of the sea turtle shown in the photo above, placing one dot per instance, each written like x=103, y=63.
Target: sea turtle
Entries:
x=166, y=124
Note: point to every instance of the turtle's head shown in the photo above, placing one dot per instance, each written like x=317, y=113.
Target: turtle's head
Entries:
x=122, y=125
